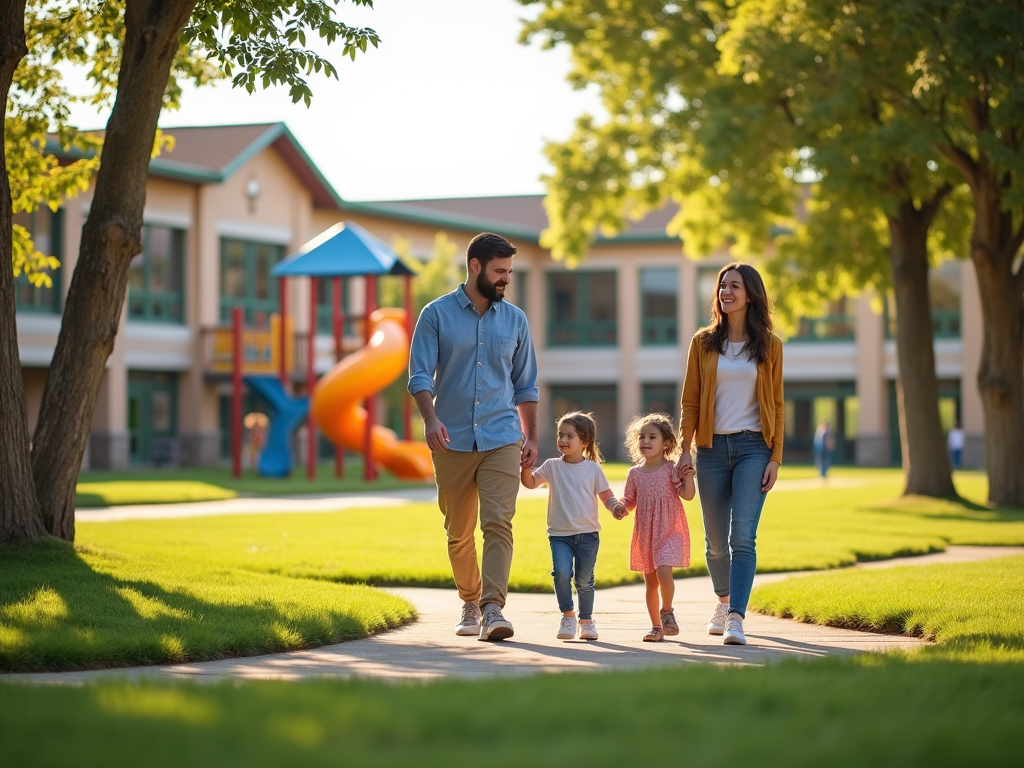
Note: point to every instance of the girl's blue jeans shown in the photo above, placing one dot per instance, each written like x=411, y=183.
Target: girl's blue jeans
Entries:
x=729, y=475
x=581, y=550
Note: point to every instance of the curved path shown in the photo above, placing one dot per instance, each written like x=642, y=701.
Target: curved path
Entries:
x=428, y=648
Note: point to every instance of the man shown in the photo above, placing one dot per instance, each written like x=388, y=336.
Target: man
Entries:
x=473, y=374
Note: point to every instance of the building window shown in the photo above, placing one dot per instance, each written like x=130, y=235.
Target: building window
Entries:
x=46, y=228
x=661, y=398
x=521, y=286
x=659, y=318
x=156, y=277
x=598, y=399
x=837, y=323
x=152, y=416
x=583, y=309
x=325, y=305
x=944, y=294
x=707, y=293
x=245, y=280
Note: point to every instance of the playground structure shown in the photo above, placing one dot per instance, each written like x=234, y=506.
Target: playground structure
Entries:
x=342, y=404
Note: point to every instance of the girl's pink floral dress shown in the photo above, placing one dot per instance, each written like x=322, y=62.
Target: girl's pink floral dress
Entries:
x=660, y=533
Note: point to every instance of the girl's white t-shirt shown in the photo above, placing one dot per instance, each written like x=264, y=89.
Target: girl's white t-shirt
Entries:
x=572, y=500
x=736, y=406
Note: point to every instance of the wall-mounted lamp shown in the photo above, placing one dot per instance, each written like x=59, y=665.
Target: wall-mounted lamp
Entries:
x=252, y=191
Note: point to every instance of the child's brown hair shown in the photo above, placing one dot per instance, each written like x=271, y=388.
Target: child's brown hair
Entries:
x=586, y=429
x=663, y=423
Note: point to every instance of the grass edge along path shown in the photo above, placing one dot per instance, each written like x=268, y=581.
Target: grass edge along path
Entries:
x=973, y=611
x=64, y=607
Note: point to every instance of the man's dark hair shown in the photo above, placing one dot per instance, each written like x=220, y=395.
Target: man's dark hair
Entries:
x=487, y=246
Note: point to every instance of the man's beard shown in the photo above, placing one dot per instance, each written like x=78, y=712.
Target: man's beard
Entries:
x=488, y=289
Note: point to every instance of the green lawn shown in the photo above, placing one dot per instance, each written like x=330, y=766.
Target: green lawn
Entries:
x=800, y=530
x=954, y=708
x=73, y=608
x=168, y=486
x=973, y=610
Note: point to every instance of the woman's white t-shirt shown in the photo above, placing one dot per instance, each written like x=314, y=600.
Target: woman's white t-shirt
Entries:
x=572, y=500
x=736, y=405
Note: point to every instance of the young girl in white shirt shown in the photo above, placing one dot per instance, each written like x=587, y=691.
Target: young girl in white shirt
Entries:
x=577, y=483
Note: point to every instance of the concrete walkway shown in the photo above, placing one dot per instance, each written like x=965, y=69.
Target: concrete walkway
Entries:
x=428, y=648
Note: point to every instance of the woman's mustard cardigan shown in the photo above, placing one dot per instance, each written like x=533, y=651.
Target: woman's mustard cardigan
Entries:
x=697, y=404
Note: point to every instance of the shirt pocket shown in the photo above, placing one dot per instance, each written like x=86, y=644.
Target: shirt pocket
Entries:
x=501, y=349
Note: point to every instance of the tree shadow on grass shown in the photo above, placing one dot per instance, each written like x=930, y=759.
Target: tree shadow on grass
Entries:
x=59, y=613
x=949, y=509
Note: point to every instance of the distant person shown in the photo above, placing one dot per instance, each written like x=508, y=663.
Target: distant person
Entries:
x=955, y=443
x=473, y=374
x=577, y=483
x=256, y=423
x=734, y=407
x=824, y=444
x=661, y=537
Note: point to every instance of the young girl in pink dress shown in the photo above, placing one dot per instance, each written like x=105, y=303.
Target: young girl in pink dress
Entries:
x=661, y=538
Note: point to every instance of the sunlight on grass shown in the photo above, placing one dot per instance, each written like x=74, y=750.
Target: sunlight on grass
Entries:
x=119, y=608
x=43, y=608
x=116, y=492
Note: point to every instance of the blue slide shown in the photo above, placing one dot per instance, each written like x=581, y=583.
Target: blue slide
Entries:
x=286, y=414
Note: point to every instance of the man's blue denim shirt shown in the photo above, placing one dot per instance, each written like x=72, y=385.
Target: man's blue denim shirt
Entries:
x=477, y=367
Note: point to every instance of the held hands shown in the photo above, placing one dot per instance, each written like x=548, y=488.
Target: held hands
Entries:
x=684, y=467
x=771, y=474
x=529, y=453
x=619, y=511
x=436, y=434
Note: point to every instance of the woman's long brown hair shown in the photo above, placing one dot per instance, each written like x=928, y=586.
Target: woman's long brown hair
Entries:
x=715, y=334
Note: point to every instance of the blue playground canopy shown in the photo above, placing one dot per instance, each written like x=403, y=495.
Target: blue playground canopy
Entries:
x=344, y=250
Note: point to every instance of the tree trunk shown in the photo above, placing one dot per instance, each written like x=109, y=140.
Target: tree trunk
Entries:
x=19, y=511
x=111, y=237
x=994, y=246
x=925, y=461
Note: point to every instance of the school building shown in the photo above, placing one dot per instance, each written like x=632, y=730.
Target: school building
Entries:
x=611, y=336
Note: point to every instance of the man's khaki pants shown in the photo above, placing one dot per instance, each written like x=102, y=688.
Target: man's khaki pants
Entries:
x=492, y=479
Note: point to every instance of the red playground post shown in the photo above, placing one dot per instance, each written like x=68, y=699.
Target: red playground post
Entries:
x=369, y=468
x=236, y=391
x=282, y=300
x=311, y=382
x=338, y=327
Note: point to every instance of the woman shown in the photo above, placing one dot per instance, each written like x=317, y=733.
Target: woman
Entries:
x=733, y=406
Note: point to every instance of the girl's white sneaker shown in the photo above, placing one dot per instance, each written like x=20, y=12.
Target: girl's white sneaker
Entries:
x=734, y=630
x=567, y=629
x=717, y=624
x=588, y=630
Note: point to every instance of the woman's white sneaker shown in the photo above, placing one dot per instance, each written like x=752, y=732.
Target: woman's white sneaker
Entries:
x=717, y=624
x=588, y=630
x=734, y=630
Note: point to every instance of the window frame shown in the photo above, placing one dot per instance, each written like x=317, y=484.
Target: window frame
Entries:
x=583, y=331
x=150, y=298
x=54, y=306
x=666, y=329
x=249, y=302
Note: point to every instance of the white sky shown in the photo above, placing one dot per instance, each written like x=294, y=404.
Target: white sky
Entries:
x=449, y=105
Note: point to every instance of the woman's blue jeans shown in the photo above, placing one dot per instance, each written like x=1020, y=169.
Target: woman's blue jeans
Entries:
x=580, y=548
x=729, y=475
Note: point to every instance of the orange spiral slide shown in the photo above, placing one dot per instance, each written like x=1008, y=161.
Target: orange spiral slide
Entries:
x=339, y=392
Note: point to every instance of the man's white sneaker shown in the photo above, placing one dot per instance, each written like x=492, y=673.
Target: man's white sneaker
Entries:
x=494, y=626
x=567, y=628
x=734, y=630
x=470, y=623
x=588, y=630
x=717, y=624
